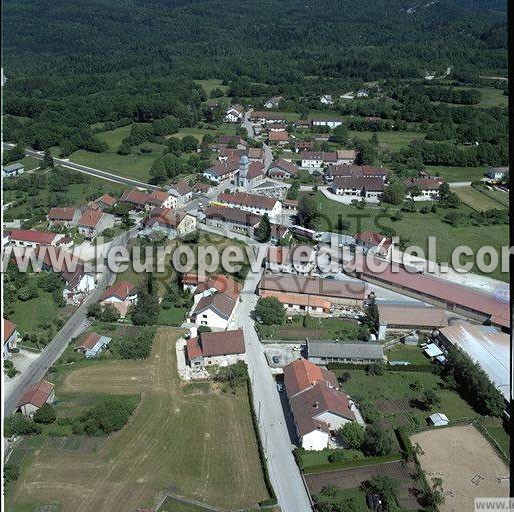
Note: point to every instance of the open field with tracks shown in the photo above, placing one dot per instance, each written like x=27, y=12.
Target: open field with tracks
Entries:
x=198, y=445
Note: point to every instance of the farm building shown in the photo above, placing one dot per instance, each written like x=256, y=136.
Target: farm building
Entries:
x=216, y=348
x=91, y=344
x=35, y=397
x=10, y=337
x=408, y=316
x=10, y=171
x=234, y=219
x=324, y=352
x=486, y=345
x=337, y=292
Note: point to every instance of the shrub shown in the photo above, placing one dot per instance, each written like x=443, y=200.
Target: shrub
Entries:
x=11, y=472
x=204, y=328
x=45, y=414
x=270, y=311
x=19, y=425
x=336, y=457
x=377, y=441
x=353, y=435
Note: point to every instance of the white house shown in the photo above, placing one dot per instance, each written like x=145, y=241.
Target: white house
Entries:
x=214, y=310
x=273, y=102
x=326, y=99
x=11, y=337
x=252, y=203
x=428, y=188
x=181, y=191
x=317, y=159
x=222, y=171
x=172, y=223
x=234, y=114
x=33, y=238
x=94, y=222
x=122, y=295
x=330, y=122
x=362, y=93
x=367, y=188
x=35, y=397
x=319, y=409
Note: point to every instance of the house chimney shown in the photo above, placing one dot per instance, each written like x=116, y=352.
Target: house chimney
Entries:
x=316, y=405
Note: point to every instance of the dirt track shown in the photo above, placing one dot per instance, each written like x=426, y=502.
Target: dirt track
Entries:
x=458, y=455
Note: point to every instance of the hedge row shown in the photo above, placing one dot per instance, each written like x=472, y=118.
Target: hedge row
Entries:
x=387, y=367
x=272, y=500
x=368, y=461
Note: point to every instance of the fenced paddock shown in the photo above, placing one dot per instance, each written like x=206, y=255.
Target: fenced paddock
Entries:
x=466, y=462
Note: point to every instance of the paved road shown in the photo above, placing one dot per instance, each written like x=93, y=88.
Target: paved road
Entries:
x=90, y=170
x=284, y=473
x=37, y=370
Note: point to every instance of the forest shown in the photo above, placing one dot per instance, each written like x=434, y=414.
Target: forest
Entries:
x=73, y=65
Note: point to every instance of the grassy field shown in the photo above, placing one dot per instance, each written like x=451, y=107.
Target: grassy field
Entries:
x=357, y=497
x=410, y=353
x=477, y=200
x=396, y=386
x=492, y=97
x=173, y=316
x=316, y=328
x=457, y=173
x=223, y=129
x=76, y=195
x=210, y=84
x=395, y=140
x=415, y=227
x=174, y=443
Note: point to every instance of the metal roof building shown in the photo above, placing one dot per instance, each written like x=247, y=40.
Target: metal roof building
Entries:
x=323, y=352
x=487, y=346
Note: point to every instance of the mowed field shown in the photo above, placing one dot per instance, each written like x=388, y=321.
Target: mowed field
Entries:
x=476, y=199
x=200, y=446
x=467, y=464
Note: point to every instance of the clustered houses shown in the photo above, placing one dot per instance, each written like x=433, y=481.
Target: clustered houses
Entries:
x=215, y=301
x=318, y=407
x=11, y=337
x=164, y=220
x=234, y=114
x=428, y=188
x=78, y=278
x=35, y=397
x=94, y=222
x=497, y=173
x=308, y=294
x=216, y=348
x=67, y=217
x=92, y=344
x=252, y=203
x=122, y=295
x=181, y=191
x=375, y=243
x=281, y=169
x=202, y=188
x=141, y=201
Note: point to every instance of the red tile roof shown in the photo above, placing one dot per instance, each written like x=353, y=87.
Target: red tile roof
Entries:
x=374, y=239
x=302, y=374
x=91, y=218
x=37, y=394
x=63, y=214
x=121, y=290
x=326, y=156
x=424, y=183
x=278, y=136
x=31, y=235
x=181, y=187
x=307, y=406
x=371, y=184
x=88, y=341
x=255, y=169
x=9, y=328
x=220, y=302
x=223, y=284
x=438, y=288
x=223, y=168
x=284, y=165
x=222, y=343
x=193, y=349
x=234, y=215
x=248, y=200
x=106, y=199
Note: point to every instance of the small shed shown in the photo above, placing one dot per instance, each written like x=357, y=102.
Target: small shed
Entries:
x=432, y=350
x=439, y=419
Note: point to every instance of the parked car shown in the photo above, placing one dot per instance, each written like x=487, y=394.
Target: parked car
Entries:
x=275, y=359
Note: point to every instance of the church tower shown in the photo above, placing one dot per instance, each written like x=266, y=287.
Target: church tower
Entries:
x=243, y=171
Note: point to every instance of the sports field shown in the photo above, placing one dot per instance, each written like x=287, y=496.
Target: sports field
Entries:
x=199, y=445
x=467, y=464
